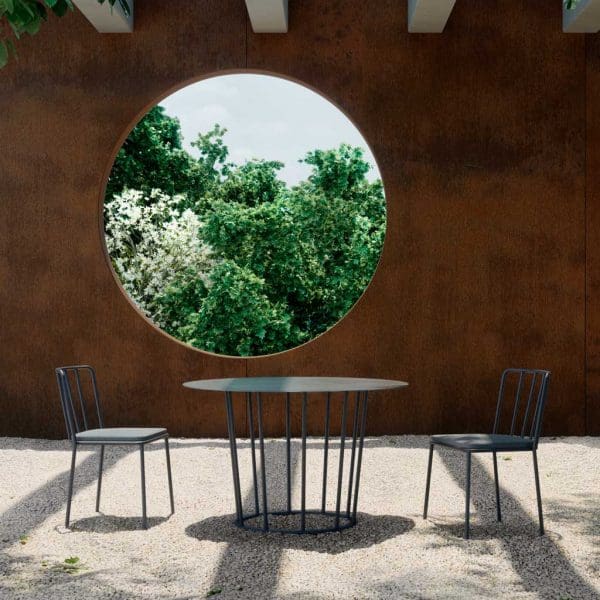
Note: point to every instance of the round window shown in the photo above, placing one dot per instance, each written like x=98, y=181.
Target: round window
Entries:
x=244, y=215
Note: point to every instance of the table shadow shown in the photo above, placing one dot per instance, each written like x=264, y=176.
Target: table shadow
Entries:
x=369, y=531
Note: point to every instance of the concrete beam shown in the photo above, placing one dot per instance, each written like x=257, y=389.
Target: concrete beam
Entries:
x=268, y=16
x=584, y=18
x=106, y=18
x=429, y=16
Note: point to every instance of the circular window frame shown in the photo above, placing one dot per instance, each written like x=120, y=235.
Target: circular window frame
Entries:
x=108, y=169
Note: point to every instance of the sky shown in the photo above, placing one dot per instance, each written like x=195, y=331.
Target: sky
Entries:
x=267, y=118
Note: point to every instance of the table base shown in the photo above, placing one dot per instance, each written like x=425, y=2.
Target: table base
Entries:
x=345, y=512
x=338, y=522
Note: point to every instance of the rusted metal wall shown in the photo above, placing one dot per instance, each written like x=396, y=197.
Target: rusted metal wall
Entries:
x=480, y=135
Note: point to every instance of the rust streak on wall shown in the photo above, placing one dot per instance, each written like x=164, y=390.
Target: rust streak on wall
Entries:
x=480, y=135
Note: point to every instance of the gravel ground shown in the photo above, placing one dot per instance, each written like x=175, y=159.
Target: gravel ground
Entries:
x=392, y=553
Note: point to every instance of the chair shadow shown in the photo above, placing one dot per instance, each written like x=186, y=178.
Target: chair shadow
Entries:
x=539, y=561
x=102, y=523
x=450, y=531
x=369, y=531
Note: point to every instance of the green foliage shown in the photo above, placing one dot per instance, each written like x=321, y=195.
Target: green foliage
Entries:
x=250, y=184
x=316, y=246
x=71, y=565
x=152, y=157
x=229, y=259
x=237, y=317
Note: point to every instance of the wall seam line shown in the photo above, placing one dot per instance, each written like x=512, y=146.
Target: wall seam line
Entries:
x=246, y=19
x=585, y=236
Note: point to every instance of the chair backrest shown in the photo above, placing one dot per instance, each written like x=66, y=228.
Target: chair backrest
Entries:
x=80, y=414
x=525, y=417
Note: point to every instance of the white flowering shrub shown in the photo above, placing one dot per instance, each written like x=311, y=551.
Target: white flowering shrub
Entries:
x=156, y=248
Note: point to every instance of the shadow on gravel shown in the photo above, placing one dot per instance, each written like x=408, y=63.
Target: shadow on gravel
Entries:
x=110, y=523
x=50, y=498
x=25, y=577
x=538, y=560
x=583, y=511
x=369, y=531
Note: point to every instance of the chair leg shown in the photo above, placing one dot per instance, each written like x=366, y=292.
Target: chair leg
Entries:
x=467, y=496
x=538, y=492
x=144, y=517
x=498, y=511
x=169, y=475
x=70, y=490
x=428, y=484
x=100, y=465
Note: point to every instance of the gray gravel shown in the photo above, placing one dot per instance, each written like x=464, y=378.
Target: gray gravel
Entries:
x=392, y=553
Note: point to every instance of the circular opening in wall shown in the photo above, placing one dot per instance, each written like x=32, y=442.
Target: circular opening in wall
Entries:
x=244, y=215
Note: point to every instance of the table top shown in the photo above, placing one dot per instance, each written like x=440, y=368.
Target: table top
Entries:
x=294, y=384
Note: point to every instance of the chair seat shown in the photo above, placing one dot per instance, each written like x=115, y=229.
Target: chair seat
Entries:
x=483, y=442
x=121, y=435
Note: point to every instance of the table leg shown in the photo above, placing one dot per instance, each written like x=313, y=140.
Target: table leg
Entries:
x=341, y=467
x=325, y=454
x=353, y=454
x=234, y=458
x=303, y=497
x=261, y=438
x=249, y=405
x=288, y=448
x=360, y=452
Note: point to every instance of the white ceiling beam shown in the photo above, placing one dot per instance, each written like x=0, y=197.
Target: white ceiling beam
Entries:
x=106, y=18
x=584, y=18
x=429, y=16
x=268, y=16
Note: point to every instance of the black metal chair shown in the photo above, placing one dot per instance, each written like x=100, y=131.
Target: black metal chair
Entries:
x=78, y=420
x=528, y=415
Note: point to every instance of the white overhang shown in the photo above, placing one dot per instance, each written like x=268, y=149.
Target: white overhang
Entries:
x=268, y=16
x=106, y=18
x=429, y=16
x=583, y=18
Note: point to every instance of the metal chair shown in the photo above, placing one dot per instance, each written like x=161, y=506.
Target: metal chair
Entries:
x=78, y=420
x=533, y=383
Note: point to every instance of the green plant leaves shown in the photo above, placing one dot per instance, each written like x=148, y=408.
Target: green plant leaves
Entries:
x=7, y=5
x=59, y=7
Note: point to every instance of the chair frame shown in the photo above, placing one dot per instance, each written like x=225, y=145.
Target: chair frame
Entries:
x=74, y=426
x=534, y=436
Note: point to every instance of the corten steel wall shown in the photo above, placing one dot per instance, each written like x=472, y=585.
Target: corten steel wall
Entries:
x=483, y=136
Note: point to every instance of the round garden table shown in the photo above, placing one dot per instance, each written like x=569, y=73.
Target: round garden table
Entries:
x=290, y=389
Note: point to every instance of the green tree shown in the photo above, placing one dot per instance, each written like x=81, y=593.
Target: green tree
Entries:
x=316, y=247
x=238, y=318
x=238, y=263
x=251, y=184
x=152, y=157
